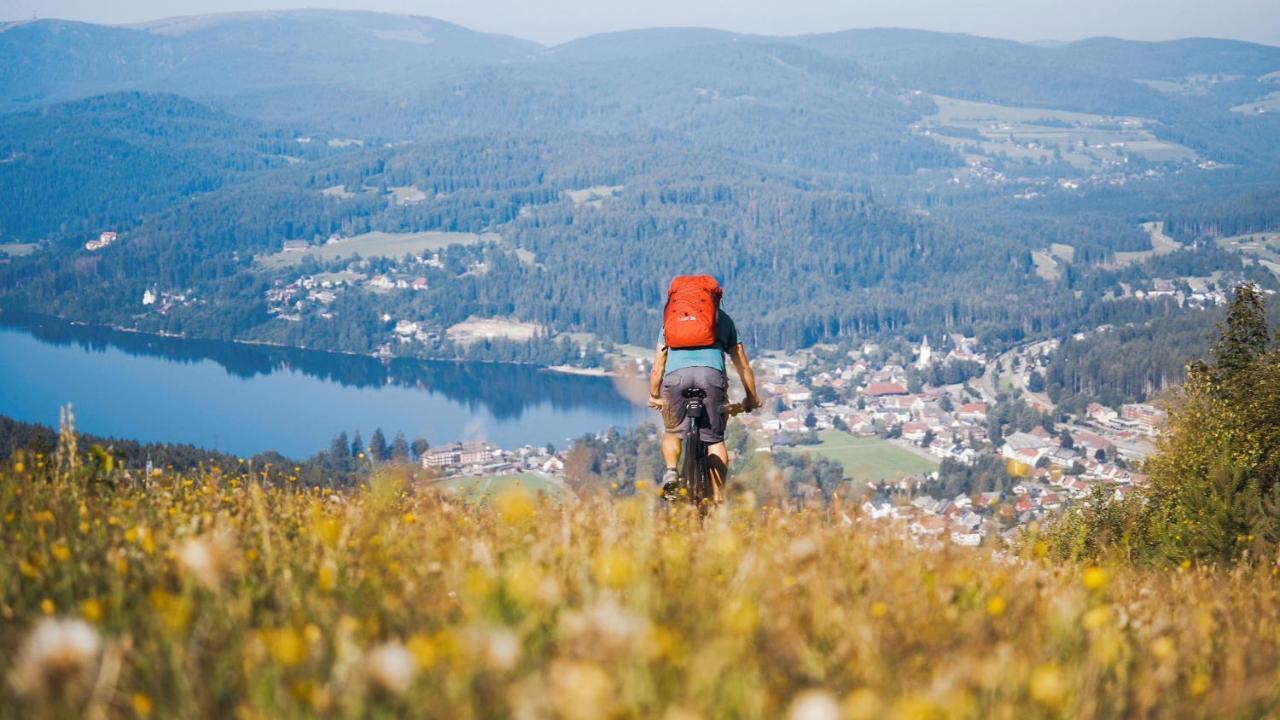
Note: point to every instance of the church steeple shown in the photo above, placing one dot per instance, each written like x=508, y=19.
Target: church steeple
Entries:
x=925, y=355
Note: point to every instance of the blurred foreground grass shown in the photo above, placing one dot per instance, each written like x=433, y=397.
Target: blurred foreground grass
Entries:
x=211, y=595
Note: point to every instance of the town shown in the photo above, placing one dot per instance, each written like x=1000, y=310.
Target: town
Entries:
x=908, y=422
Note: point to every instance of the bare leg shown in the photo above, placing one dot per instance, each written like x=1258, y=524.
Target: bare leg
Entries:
x=718, y=459
x=671, y=449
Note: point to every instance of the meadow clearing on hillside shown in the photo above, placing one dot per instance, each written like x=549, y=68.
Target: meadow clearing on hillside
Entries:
x=213, y=595
x=1084, y=140
x=1161, y=244
x=377, y=244
x=1262, y=248
x=17, y=249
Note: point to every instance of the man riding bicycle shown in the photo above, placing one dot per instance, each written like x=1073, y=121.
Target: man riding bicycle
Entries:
x=695, y=337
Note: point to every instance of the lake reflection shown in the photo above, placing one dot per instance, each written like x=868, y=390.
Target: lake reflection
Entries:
x=249, y=398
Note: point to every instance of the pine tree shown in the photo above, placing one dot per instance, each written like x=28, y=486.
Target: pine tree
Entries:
x=399, y=448
x=378, y=447
x=340, y=449
x=357, y=445
x=1243, y=335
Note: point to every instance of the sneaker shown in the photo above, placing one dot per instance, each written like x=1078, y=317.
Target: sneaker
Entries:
x=670, y=484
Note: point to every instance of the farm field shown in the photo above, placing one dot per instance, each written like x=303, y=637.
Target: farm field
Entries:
x=378, y=244
x=1049, y=263
x=1161, y=244
x=213, y=594
x=869, y=459
x=593, y=195
x=1082, y=139
x=475, y=329
x=1264, y=248
x=1266, y=104
x=17, y=249
x=1046, y=265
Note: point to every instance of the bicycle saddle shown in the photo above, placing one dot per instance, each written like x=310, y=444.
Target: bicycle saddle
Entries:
x=694, y=392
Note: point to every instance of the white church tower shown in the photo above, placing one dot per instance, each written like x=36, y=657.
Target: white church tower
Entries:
x=925, y=355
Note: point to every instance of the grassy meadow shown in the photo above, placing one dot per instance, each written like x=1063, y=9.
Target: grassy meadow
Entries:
x=869, y=458
x=17, y=249
x=214, y=595
x=377, y=244
x=479, y=487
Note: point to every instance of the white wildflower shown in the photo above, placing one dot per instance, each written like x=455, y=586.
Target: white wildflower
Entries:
x=390, y=667
x=56, y=653
x=209, y=559
x=814, y=705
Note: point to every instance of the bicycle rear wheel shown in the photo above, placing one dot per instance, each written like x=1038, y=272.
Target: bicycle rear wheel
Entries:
x=695, y=477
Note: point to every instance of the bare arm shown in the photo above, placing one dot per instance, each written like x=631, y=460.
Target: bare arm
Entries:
x=748, y=376
x=655, y=375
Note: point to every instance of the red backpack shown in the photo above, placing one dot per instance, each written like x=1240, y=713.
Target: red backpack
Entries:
x=693, y=301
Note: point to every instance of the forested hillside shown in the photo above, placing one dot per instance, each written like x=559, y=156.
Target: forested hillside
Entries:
x=865, y=183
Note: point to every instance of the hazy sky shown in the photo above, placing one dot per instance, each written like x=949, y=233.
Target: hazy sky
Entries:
x=552, y=21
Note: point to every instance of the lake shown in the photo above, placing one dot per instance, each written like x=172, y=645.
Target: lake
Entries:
x=246, y=399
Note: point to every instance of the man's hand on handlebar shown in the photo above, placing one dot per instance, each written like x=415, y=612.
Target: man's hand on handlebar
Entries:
x=657, y=402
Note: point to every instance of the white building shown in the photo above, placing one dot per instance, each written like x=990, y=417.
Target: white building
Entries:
x=925, y=355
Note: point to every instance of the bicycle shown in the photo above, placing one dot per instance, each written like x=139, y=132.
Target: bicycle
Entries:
x=693, y=480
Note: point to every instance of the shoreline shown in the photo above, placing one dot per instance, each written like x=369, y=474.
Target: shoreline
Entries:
x=562, y=369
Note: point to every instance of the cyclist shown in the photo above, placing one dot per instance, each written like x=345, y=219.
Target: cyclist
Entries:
x=674, y=370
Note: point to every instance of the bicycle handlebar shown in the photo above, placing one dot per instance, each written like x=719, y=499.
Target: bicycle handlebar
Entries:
x=730, y=409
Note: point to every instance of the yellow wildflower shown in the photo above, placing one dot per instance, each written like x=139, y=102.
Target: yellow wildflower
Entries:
x=1094, y=578
x=91, y=610
x=614, y=568
x=286, y=646
x=1047, y=685
x=995, y=606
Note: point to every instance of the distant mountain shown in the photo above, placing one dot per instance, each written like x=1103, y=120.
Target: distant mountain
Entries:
x=393, y=58
x=226, y=54
x=1098, y=75
x=89, y=165
x=640, y=43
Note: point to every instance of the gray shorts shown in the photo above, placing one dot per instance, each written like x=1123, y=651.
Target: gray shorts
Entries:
x=716, y=386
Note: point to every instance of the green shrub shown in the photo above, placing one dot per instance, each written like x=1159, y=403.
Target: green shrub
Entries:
x=1213, y=492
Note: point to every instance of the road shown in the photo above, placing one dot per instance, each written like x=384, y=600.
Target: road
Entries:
x=987, y=383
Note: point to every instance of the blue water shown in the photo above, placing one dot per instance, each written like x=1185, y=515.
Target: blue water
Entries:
x=247, y=399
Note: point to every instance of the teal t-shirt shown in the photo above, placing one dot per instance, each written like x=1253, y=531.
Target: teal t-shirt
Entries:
x=713, y=357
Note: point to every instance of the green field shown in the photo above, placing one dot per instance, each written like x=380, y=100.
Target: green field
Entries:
x=869, y=458
x=1161, y=244
x=1027, y=133
x=478, y=486
x=1046, y=265
x=378, y=244
x=17, y=249
x=1263, y=248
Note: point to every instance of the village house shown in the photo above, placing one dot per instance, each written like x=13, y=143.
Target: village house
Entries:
x=461, y=455
x=975, y=412
x=1146, y=418
x=884, y=389
x=1101, y=414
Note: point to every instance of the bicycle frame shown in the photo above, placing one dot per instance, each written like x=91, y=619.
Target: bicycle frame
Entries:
x=695, y=470
x=694, y=479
